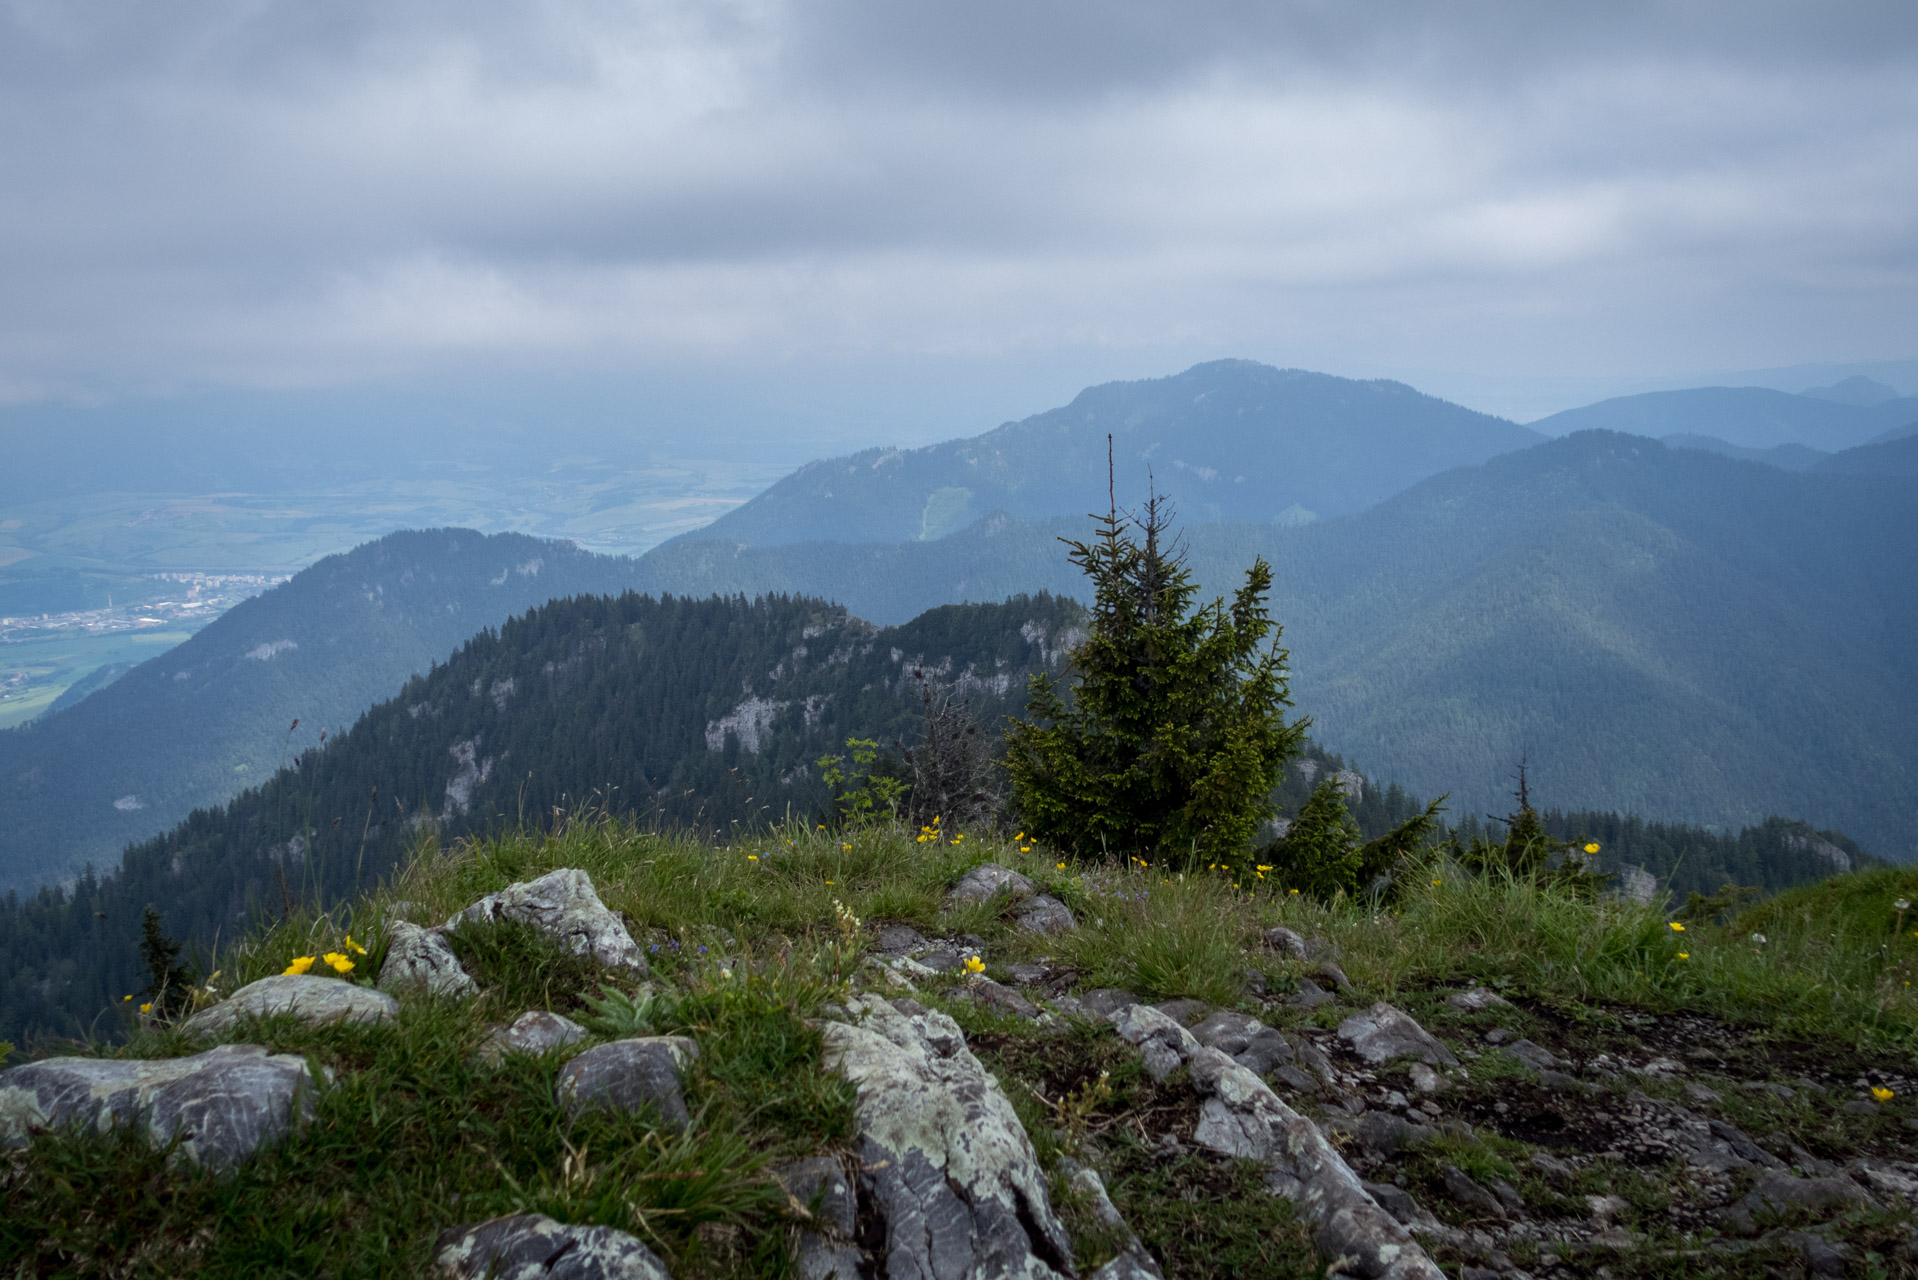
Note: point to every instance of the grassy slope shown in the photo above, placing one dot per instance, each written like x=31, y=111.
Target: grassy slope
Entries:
x=413, y=1137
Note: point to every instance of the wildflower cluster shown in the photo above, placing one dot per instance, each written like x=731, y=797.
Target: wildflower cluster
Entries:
x=338, y=961
x=931, y=834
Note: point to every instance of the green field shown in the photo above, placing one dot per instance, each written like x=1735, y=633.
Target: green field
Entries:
x=35, y=672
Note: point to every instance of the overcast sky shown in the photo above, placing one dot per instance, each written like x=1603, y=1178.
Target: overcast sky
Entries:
x=264, y=192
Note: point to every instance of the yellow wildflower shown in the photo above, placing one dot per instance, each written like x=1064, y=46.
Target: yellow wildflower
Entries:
x=1684, y=955
x=1437, y=883
x=1592, y=847
x=1881, y=1093
x=845, y=846
x=975, y=965
x=300, y=964
x=752, y=857
x=354, y=946
x=1677, y=927
x=1061, y=866
x=126, y=998
x=339, y=962
x=147, y=1007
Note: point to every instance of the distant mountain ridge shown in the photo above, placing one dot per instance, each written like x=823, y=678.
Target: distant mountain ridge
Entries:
x=205, y=720
x=1748, y=417
x=1662, y=631
x=1227, y=440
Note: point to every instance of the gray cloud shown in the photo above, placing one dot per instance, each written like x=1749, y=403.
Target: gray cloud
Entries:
x=252, y=191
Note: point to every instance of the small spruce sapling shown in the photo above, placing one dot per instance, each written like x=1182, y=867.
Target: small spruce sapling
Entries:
x=170, y=984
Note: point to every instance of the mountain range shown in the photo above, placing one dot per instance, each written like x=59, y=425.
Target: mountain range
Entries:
x=200, y=723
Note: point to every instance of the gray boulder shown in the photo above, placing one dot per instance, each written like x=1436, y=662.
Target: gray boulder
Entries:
x=900, y=939
x=1776, y=1192
x=1163, y=1043
x=420, y=960
x=1311, y=995
x=1135, y=1261
x=1476, y=1000
x=1280, y=938
x=1103, y=1002
x=1535, y=1056
x=1247, y=1041
x=996, y=995
x=563, y=904
x=1242, y=1118
x=1045, y=914
x=630, y=1075
x=1184, y=1011
x=536, y=1031
x=984, y=883
x=943, y=1159
x=531, y=1246
x=312, y=999
x=223, y=1104
x=1383, y=1032
x=818, y=1188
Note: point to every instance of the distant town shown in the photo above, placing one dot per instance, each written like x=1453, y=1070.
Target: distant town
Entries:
x=200, y=598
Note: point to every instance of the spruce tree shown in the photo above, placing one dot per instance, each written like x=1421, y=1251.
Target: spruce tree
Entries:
x=169, y=984
x=1169, y=731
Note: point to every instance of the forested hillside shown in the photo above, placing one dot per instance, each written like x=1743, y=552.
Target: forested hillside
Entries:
x=705, y=715
x=210, y=717
x=1228, y=440
x=1663, y=631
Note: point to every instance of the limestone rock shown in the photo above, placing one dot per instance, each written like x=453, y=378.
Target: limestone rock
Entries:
x=983, y=883
x=1164, y=1043
x=818, y=1186
x=1280, y=938
x=995, y=995
x=630, y=1075
x=1243, y=1118
x=531, y=1246
x=1045, y=914
x=1247, y=1041
x=1103, y=1002
x=312, y=999
x=1311, y=995
x=1777, y=1192
x=900, y=939
x=563, y=904
x=536, y=1031
x=943, y=1158
x=1397, y=1201
x=226, y=1103
x=1536, y=1056
x=1384, y=1032
x=1135, y=1261
x=1476, y=1000
x=1460, y=1186
x=1184, y=1012
x=420, y=960
x=1334, y=975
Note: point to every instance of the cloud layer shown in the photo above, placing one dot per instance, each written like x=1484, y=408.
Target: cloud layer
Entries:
x=256, y=191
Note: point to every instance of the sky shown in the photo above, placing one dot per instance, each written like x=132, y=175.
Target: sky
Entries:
x=985, y=205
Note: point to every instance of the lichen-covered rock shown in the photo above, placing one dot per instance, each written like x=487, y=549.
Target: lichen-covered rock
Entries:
x=984, y=883
x=1241, y=1117
x=1103, y=1002
x=1135, y=1261
x=1247, y=1041
x=536, y=1031
x=1163, y=1043
x=531, y=1246
x=818, y=1188
x=1476, y=999
x=943, y=1159
x=1045, y=914
x=1280, y=938
x=630, y=1075
x=312, y=999
x=1383, y=1032
x=996, y=995
x=563, y=904
x=420, y=960
x=223, y=1104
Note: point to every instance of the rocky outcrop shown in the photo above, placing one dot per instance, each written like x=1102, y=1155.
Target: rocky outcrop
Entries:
x=1383, y=1032
x=819, y=1191
x=531, y=1246
x=1045, y=914
x=984, y=883
x=1163, y=1043
x=943, y=1159
x=630, y=1075
x=536, y=1031
x=1243, y=1118
x=420, y=960
x=563, y=904
x=314, y=1000
x=1134, y=1261
x=223, y=1104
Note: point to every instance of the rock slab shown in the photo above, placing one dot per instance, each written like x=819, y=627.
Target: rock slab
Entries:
x=1383, y=1032
x=531, y=1246
x=984, y=883
x=420, y=960
x=535, y=1031
x=565, y=905
x=943, y=1159
x=312, y=999
x=223, y=1104
x=1045, y=914
x=630, y=1075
